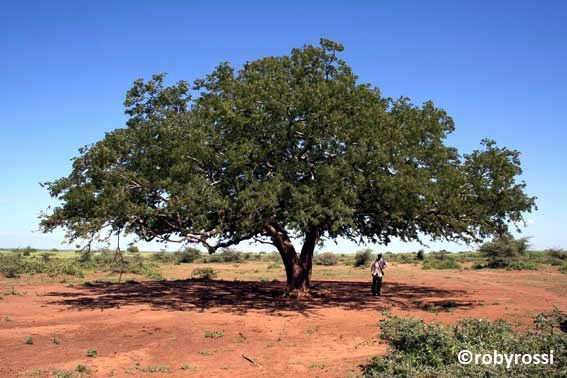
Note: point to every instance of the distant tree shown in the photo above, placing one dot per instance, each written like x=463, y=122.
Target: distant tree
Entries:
x=132, y=249
x=287, y=147
x=420, y=255
x=504, y=249
x=363, y=257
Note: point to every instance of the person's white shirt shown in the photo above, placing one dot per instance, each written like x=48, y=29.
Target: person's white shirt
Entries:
x=378, y=267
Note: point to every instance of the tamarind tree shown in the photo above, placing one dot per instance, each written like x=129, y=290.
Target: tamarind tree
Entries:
x=286, y=147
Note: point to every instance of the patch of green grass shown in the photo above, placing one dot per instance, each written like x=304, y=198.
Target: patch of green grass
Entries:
x=157, y=369
x=214, y=334
x=60, y=373
x=317, y=365
x=188, y=367
x=240, y=338
x=82, y=369
x=205, y=353
x=29, y=340
x=311, y=330
x=92, y=353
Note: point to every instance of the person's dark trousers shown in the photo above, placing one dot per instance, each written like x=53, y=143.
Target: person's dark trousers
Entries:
x=376, y=285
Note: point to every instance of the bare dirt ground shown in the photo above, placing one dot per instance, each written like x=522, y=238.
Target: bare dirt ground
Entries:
x=140, y=329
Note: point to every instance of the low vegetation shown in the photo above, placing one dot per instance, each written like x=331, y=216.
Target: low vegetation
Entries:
x=501, y=253
x=205, y=273
x=363, y=258
x=326, y=258
x=440, y=260
x=419, y=349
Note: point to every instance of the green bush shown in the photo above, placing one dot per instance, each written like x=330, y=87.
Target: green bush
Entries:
x=363, y=258
x=436, y=262
x=327, y=259
x=504, y=250
x=205, y=273
x=420, y=255
x=12, y=265
x=422, y=350
x=563, y=268
x=164, y=257
x=132, y=249
x=521, y=265
x=188, y=255
x=230, y=255
x=556, y=253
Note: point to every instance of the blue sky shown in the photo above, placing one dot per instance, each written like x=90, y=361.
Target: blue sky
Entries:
x=498, y=67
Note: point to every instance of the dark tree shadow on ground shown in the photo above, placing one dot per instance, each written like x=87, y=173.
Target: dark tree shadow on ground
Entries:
x=243, y=296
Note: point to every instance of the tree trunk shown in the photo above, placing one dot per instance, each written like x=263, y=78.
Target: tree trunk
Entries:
x=297, y=268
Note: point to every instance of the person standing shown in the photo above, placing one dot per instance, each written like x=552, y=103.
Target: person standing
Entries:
x=377, y=271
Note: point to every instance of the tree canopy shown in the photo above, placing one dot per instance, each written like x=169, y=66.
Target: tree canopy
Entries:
x=286, y=146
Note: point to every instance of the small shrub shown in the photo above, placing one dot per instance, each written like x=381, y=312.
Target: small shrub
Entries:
x=556, y=253
x=230, y=255
x=188, y=255
x=55, y=340
x=504, y=250
x=311, y=330
x=420, y=349
x=446, y=263
x=563, y=268
x=60, y=373
x=82, y=369
x=132, y=249
x=362, y=258
x=157, y=369
x=29, y=340
x=327, y=259
x=92, y=353
x=214, y=334
x=205, y=273
x=420, y=255
x=11, y=265
x=521, y=265
x=188, y=367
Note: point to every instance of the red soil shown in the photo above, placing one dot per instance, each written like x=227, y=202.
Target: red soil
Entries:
x=134, y=326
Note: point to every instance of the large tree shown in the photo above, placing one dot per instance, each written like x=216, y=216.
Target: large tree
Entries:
x=287, y=147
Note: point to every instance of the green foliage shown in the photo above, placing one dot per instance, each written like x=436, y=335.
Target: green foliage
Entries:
x=82, y=369
x=326, y=258
x=420, y=255
x=406, y=258
x=91, y=353
x=521, y=265
x=205, y=273
x=363, y=258
x=61, y=373
x=214, y=334
x=187, y=256
x=440, y=260
x=430, y=350
x=296, y=141
x=28, y=340
x=157, y=369
x=132, y=249
x=12, y=265
x=563, y=268
x=506, y=252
